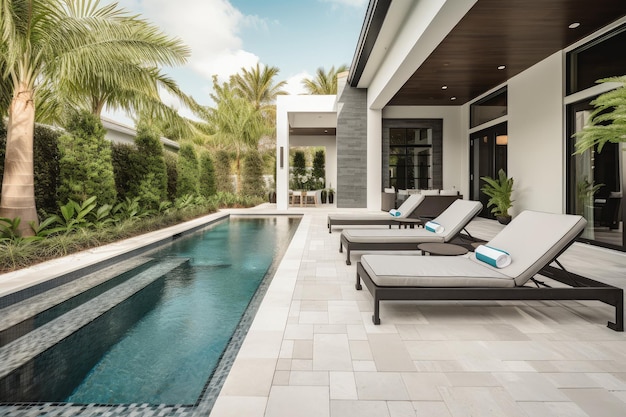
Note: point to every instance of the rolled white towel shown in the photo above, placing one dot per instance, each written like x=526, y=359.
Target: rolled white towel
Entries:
x=434, y=227
x=493, y=256
x=395, y=213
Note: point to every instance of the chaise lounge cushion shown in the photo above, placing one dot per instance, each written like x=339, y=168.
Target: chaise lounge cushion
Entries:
x=405, y=210
x=533, y=239
x=431, y=271
x=453, y=219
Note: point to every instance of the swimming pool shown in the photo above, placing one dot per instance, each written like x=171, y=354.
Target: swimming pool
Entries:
x=161, y=343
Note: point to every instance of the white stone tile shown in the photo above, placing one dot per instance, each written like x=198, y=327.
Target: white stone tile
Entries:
x=302, y=401
x=342, y=386
x=309, y=378
x=331, y=352
x=553, y=409
x=390, y=353
x=597, y=402
x=250, y=377
x=423, y=386
x=345, y=408
x=364, y=366
x=400, y=409
x=380, y=386
x=237, y=406
x=480, y=401
x=527, y=386
x=431, y=409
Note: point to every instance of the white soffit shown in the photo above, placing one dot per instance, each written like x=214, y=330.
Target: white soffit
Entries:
x=312, y=119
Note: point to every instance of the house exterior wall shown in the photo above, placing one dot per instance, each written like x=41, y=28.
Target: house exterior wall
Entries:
x=351, y=148
x=536, y=149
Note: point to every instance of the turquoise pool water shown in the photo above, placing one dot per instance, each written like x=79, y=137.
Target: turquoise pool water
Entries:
x=161, y=345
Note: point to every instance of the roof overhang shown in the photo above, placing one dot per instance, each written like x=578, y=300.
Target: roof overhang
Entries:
x=515, y=34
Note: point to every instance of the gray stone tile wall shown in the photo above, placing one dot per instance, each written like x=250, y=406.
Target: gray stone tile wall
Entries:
x=351, y=147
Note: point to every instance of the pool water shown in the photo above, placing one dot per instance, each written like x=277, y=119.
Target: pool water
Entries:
x=161, y=345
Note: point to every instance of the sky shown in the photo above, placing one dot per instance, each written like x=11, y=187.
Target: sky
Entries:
x=296, y=36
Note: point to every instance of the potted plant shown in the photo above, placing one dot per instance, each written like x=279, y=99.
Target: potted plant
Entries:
x=324, y=195
x=331, y=195
x=499, y=192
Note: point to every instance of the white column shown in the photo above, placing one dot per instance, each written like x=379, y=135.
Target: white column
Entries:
x=374, y=158
x=282, y=157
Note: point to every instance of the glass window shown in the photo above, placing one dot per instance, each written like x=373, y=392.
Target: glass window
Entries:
x=489, y=108
x=410, y=158
x=596, y=60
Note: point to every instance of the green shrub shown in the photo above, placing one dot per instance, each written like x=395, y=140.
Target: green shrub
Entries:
x=207, y=175
x=252, y=178
x=319, y=167
x=188, y=171
x=149, y=177
x=299, y=163
x=171, y=163
x=122, y=156
x=86, y=168
x=223, y=180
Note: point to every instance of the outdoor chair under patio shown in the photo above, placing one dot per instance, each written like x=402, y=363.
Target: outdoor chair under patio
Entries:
x=382, y=218
x=531, y=242
x=452, y=221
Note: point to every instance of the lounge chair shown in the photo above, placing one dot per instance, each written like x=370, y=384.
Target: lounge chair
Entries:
x=453, y=219
x=533, y=240
x=382, y=218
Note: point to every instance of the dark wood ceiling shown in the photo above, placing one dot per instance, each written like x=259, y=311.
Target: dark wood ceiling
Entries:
x=514, y=33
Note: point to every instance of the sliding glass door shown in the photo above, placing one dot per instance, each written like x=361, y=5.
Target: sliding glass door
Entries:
x=594, y=184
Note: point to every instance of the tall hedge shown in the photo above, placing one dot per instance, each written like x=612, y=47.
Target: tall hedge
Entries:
x=171, y=164
x=252, y=175
x=299, y=163
x=85, y=164
x=122, y=156
x=149, y=181
x=46, y=165
x=188, y=171
x=319, y=165
x=223, y=180
x=207, y=175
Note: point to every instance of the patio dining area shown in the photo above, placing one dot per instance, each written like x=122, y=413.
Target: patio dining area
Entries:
x=313, y=350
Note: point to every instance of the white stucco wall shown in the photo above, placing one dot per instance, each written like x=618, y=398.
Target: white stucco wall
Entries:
x=536, y=151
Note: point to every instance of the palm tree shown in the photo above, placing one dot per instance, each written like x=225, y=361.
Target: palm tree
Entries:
x=258, y=87
x=236, y=122
x=49, y=46
x=324, y=82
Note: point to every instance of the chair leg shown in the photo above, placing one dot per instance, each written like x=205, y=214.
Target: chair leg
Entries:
x=376, y=315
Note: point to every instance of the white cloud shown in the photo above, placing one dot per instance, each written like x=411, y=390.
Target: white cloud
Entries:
x=294, y=83
x=210, y=28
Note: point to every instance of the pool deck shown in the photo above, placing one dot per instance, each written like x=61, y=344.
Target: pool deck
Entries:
x=312, y=349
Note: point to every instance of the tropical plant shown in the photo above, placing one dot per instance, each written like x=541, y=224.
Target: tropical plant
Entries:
x=499, y=192
x=171, y=163
x=236, y=122
x=607, y=122
x=56, y=47
x=324, y=82
x=257, y=86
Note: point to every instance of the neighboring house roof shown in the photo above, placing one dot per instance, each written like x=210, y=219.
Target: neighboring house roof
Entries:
x=120, y=133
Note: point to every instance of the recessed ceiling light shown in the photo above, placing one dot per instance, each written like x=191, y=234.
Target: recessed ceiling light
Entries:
x=452, y=98
x=444, y=87
x=574, y=25
x=501, y=67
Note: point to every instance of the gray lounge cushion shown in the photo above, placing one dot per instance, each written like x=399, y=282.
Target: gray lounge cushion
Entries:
x=532, y=239
x=405, y=209
x=431, y=271
x=453, y=219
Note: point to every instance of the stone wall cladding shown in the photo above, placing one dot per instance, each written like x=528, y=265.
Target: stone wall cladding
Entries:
x=351, y=147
